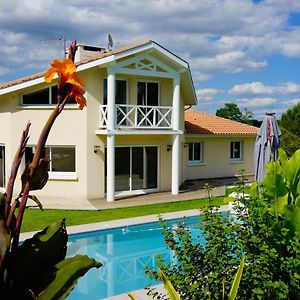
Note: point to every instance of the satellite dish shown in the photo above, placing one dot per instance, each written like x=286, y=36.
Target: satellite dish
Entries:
x=110, y=42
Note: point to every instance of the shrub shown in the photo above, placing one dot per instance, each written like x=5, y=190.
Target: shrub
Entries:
x=264, y=229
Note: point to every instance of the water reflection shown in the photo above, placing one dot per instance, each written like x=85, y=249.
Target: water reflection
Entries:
x=124, y=252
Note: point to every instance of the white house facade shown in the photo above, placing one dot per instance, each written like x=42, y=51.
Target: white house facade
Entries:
x=130, y=138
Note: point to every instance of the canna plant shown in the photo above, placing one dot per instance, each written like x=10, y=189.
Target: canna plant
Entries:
x=281, y=188
x=38, y=268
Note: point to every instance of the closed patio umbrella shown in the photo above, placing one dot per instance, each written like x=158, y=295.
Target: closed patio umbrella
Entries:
x=266, y=145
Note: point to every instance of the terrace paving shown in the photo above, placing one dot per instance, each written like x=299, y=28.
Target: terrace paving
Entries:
x=190, y=190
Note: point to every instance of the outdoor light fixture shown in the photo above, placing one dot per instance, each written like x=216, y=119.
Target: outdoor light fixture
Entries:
x=96, y=149
x=185, y=145
x=169, y=148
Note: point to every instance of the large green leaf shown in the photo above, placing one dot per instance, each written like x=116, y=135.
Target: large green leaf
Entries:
x=292, y=173
x=66, y=274
x=168, y=286
x=236, y=281
x=275, y=189
x=292, y=218
x=37, y=255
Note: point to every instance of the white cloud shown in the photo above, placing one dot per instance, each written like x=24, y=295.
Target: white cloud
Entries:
x=251, y=88
x=258, y=88
x=256, y=102
x=206, y=94
x=214, y=36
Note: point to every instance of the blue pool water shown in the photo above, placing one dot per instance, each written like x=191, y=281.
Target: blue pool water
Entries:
x=124, y=252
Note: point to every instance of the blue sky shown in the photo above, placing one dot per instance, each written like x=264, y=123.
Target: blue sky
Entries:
x=241, y=51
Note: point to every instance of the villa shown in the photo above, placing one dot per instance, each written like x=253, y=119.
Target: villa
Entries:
x=138, y=133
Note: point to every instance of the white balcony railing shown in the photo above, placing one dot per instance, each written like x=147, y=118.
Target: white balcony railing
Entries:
x=139, y=116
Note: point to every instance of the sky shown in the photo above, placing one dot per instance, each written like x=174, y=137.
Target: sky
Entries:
x=240, y=51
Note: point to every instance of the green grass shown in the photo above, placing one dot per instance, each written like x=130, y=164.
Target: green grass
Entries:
x=34, y=219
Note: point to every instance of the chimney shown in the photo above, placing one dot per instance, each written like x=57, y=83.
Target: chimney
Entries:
x=86, y=51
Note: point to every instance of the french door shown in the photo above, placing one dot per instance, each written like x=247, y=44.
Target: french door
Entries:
x=135, y=168
x=2, y=166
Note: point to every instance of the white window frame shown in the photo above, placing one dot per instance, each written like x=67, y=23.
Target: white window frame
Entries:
x=195, y=161
x=149, y=81
x=240, y=158
x=57, y=175
x=46, y=104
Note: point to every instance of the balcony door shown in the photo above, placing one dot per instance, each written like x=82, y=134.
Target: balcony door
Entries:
x=148, y=96
x=2, y=166
x=135, y=168
x=121, y=98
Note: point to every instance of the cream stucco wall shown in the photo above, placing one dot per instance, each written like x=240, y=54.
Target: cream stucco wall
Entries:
x=68, y=130
x=77, y=128
x=216, y=158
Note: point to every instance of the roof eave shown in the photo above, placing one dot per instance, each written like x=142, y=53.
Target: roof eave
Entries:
x=109, y=59
x=219, y=135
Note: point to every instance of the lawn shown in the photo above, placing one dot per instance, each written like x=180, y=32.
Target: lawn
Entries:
x=35, y=219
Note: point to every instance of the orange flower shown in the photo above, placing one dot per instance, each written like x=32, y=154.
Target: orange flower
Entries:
x=66, y=71
x=77, y=94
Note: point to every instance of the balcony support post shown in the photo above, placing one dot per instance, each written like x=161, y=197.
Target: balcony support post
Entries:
x=176, y=151
x=111, y=91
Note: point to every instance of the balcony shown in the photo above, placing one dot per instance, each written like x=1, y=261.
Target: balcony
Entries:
x=138, y=117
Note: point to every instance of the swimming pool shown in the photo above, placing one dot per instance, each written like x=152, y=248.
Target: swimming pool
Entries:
x=124, y=252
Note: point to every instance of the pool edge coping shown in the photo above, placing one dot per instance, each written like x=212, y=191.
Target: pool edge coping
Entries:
x=90, y=227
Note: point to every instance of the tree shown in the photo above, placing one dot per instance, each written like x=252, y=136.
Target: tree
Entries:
x=290, y=129
x=290, y=120
x=232, y=111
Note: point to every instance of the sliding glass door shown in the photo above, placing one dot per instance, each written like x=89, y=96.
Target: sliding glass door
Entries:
x=2, y=166
x=135, y=168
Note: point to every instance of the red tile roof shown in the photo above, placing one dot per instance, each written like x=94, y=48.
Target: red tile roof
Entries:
x=85, y=61
x=198, y=122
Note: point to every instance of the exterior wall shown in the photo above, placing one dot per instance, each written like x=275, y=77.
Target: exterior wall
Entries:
x=216, y=158
x=77, y=128
x=68, y=130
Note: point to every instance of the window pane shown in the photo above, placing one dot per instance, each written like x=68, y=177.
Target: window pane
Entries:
x=54, y=92
x=137, y=168
x=141, y=93
x=151, y=167
x=104, y=91
x=197, y=153
x=122, y=168
x=121, y=92
x=152, y=93
x=2, y=166
x=235, y=150
x=62, y=159
x=35, y=98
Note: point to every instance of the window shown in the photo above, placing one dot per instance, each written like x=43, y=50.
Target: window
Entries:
x=196, y=153
x=147, y=93
x=236, y=149
x=121, y=92
x=2, y=165
x=46, y=96
x=62, y=160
